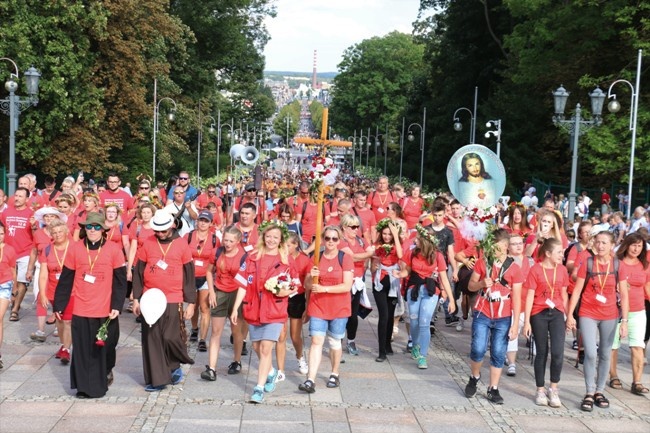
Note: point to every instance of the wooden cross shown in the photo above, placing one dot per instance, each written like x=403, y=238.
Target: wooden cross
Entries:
x=324, y=142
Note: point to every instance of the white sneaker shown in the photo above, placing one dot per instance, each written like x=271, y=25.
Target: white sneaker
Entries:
x=512, y=370
x=460, y=325
x=541, y=399
x=281, y=376
x=554, y=398
x=303, y=368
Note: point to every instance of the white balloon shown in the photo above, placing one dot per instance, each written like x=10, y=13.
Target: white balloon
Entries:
x=152, y=305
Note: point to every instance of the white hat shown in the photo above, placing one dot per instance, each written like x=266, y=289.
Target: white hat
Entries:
x=162, y=220
x=48, y=210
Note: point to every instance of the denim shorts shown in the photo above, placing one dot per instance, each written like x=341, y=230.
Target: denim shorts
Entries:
x=334, y=328
x=494, y=332
x=6, y=289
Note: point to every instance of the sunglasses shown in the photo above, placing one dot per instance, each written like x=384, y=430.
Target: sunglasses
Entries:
x=251, y=190
x=353, y=227
x=183, y=178
x=93, y=227
x=179, y=192
x=211, y=192
x=144, y=187
x=330, y=239
x=245, y=237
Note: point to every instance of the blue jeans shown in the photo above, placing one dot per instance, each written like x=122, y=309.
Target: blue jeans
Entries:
x=496, y=330
x=420, y=312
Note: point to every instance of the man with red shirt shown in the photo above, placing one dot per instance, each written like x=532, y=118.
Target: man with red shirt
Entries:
x=18, y=220
x=165, y=262
x=114, y=194
x=250, y=196
x=381, y=198
x=50, y=193
x=366, y=217
x=248, y=227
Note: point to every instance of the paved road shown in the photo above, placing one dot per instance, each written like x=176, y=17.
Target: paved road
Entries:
x=377, y=397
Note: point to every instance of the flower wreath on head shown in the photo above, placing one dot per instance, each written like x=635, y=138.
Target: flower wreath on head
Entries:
x=275, y=224
x=424, y=234
x=516, y=203
x=383, y=223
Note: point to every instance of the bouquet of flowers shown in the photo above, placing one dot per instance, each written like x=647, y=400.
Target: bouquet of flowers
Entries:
x=427, y=201
x=474, y=224
x=280, y=282
x=322, y=169
x=102, y=333
x=387, y=248
x=488, y=246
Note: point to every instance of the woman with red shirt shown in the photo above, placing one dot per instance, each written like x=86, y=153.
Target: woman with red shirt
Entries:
x=203, y=244
x=220, y=276
x=52, y=259
x=7, y=278
x=634, y=273
x=96, y=275
x=426, y=270
x=412, y=207
x=117, y=231
x=66, y=204
x=386, y=286
x=547, y=228
x=598, y=315
x=354, y=245
x=517, y=221
x=265, y=307
x=545, y=308
x=328, y=306
x=139, y=231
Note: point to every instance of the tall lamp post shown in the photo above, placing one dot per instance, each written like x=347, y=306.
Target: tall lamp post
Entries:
x=411, y=137
x=156, y=111
x=576, y=126
x=458, y=126
x=231, y=133
x=13, y=106
x=288, y=120
x=614, y=106
x=371, y=139
x=354, y=144
x=496, y=124
x=200, y=141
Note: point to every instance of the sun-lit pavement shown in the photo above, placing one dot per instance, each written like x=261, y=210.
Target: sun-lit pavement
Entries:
x=379, y=397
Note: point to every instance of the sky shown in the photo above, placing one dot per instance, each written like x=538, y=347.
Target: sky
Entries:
x=330, y=27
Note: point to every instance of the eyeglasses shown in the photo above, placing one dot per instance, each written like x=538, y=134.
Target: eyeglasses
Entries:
x=353, y=227
x=211, y=191
x=285, y=215
x=179, y=192
x=183, y=178
x=144, y=187
x=93, y=227
x=330, y=239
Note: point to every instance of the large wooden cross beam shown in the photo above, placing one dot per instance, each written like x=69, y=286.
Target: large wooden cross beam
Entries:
x=324, y=142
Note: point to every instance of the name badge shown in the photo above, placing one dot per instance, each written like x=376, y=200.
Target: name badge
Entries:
x=248, y=248
x=495, y=296
x=380, y=209
x=550, y=304
x=89, y=278
x=161, y=264
x=198, y=263
x=600, y=298
x=57, y=276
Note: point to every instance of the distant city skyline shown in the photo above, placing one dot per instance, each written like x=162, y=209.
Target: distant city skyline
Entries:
x=330, y=28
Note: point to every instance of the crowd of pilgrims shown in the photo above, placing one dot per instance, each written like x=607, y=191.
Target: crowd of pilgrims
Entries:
x=238, y=254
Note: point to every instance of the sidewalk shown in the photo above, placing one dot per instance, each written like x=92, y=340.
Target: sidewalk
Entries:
x=378, y=397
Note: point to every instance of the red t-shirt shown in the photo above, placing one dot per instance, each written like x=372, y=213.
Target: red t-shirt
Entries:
x=7, y=263
x=227, y=269
x=93, y=299
x=328, y=306
x=367, y=219
x=203, y=251
x=308, y=220
x=41, y=240
x=170, y=280
x=420, y=266
x=599, y=292
x=18, y=231
x=119, y=197
x=303, y=267
x=249, y=238
x=55, y=260
x=114, y=234
x=637, y=277
x=203, y=200
x=356, y=248
x=386, y=259
x=547, y=284
x=72, y=223
x=140, y=233
x=412, y=210
x=379, y=202
x=503, y=308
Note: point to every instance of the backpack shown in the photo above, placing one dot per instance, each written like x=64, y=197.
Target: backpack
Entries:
x=340, y=256
x=568, y=250
x=304, y=209
x=220, y=251
x=214, y=239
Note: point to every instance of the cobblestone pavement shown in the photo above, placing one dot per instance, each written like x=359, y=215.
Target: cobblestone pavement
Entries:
x=390, y=396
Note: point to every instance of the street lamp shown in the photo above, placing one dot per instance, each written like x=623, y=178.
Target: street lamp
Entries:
x=354, y=144
x=496, y=124
x=614, y=106
x=375, y=140
x=458, y=126
x=288, y=120
x=411, y=137
x=156, y=110
x=13, y=106
x=577, y=127
x=231, y=133
x=200, y=140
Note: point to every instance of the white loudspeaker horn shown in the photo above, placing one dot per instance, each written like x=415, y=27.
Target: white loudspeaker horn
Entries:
x=250, y=156
x=237, y=151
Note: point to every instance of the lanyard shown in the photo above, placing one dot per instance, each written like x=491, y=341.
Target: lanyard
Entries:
x=602, y=281
x=199, y=245
x=552, y=287
x=164, y=253
x=92, y=262
x=65, y=252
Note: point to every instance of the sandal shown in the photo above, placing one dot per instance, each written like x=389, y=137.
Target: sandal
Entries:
x=308, y=387
x=639, y=389
x=333, y=381
x=13, y=317
x=601, y=401
x=587, y=404
x=615, y=383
